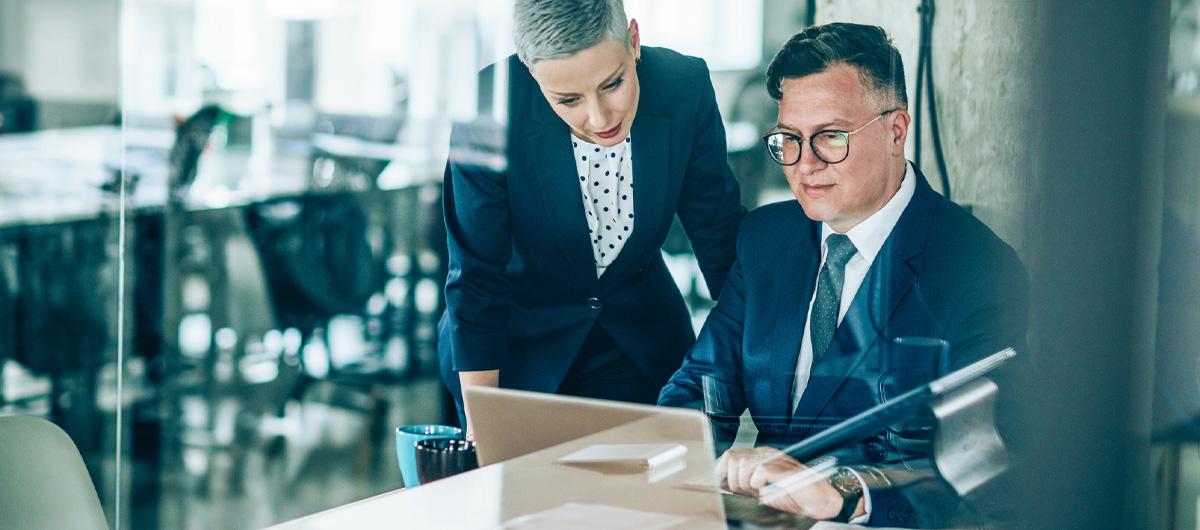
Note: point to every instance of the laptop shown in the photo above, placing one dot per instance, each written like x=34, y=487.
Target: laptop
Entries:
x=513, y=423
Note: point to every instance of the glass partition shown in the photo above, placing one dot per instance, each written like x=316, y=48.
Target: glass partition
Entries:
x=61, y=234
x=286, y=249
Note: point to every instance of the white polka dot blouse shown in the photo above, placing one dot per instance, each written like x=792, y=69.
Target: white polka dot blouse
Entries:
x=606, y=181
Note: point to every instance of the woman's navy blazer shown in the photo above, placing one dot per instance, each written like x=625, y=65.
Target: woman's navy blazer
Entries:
x=522, y=292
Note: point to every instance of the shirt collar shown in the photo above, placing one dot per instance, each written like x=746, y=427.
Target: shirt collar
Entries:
x=583, y=145
x=869, y=235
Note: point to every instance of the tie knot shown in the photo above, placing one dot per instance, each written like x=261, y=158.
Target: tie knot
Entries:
x=841, y=249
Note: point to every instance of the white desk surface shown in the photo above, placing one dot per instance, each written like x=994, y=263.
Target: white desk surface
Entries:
x=488, y=497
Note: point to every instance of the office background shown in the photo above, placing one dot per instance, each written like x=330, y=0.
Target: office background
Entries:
x=234, y=207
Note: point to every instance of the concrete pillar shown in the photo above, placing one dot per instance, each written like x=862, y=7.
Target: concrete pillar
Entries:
x=983, y=80
x=1052, y=125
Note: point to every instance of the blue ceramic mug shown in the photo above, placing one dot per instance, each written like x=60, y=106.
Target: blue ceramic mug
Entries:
x=407, y=437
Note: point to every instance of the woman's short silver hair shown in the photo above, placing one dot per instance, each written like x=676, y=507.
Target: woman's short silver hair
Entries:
x=552, y=29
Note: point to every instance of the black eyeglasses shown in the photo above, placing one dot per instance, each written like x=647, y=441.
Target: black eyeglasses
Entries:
x=830, y=146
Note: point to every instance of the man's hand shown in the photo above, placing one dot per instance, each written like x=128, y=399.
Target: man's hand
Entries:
x=481, y=378
x=781, y=482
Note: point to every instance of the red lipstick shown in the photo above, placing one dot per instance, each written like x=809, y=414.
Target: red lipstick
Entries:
x=610, y=133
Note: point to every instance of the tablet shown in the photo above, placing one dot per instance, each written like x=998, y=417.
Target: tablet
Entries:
x=877, y=418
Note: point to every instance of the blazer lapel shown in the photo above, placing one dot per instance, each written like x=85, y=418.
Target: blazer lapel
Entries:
x=651, y=145
x=552, y=156
x=790, y=296
x=888, y=282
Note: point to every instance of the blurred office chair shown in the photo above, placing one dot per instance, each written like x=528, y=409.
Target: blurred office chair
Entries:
x=43, y=482
x=62, y=297
x=18, y=111
x=321, y=257
x=61, y=302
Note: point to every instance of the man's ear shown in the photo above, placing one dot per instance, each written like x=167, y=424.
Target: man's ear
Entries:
x=900, y=120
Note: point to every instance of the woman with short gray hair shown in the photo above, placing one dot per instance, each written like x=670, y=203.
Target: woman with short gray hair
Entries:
x=554, y=30
x=557, y=281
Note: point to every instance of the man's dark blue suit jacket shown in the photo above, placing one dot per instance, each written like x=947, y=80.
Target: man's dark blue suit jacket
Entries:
x=941, y=273
x=522, y=293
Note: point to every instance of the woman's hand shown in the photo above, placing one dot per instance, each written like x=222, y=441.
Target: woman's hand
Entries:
x=489, y=378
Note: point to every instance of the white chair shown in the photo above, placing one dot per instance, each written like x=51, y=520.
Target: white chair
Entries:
x=43, y=482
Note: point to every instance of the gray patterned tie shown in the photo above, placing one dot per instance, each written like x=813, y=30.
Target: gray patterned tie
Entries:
x=829, y=293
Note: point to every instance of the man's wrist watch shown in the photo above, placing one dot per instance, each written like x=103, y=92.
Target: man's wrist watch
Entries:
x=847, y=484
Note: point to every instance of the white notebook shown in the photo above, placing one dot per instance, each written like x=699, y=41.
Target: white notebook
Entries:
x=631, y=457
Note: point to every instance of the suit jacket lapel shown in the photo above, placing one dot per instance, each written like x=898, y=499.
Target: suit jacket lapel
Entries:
x=651, y=170
x=552, y=156
x=791, y=294
x=889, y=280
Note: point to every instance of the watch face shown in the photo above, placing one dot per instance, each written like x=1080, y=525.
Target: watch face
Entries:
x=846, y=483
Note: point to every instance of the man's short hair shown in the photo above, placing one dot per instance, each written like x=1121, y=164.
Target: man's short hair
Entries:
x=552, y=29
x=867, y=48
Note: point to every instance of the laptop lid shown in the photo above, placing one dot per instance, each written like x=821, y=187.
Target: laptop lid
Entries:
x=513, y=423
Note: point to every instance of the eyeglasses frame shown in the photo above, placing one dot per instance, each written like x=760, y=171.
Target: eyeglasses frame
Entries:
x=801, y=139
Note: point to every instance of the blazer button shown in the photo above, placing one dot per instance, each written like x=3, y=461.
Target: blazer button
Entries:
x=593, y=303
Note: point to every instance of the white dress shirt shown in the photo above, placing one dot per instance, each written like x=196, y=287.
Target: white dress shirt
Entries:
x=868, y=237
x=606, y=183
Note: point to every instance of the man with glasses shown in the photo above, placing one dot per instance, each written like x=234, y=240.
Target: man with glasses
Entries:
x=804, y=333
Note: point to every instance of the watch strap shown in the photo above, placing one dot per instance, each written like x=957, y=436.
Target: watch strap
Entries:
x=848, y=485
